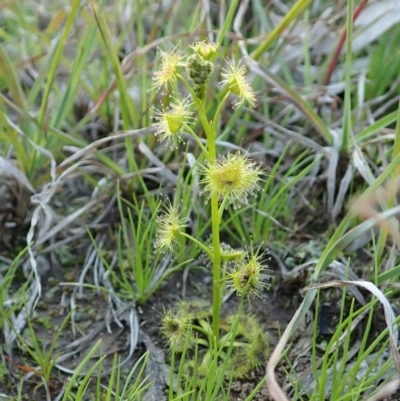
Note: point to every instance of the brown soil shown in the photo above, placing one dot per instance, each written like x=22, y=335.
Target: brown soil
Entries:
x=274, y=311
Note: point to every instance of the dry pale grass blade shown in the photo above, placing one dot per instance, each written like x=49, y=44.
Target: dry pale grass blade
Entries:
x=270, y=217
x=38, y=225
x=8, y=336
x=158, y=273
x=370, y=117
x=94, y=262
x=272, y=385
x=374, y=21
x=18, y=322
x=192, y=163
x=343, y=188
x=339, y=271
x=165, y=173
x=8, y=169
x=275, y=390
x=362, y=166
x=386, y=390
x=383, y=110
x=389, y=265
x=223, y=144
x=365, y=207
x=280, y=85
x=387, y=308
x=7, y=263
x=72, y=234
x=205, y=22
x=157, y=371
x=331, y=172
x=126, y=312
x=133, y=337
x=361, y=240
x=290, y=134
x=321, y=37
x=114, y=303
x=237, y=23
x=87, y=150
x=294, y=272
x=66, y=221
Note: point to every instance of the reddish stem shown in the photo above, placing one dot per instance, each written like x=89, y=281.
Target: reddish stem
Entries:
x=339, y=47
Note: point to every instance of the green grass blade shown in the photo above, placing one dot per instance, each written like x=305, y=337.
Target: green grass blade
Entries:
x=372, y=129
x=335, y=244
x=393, y=186
x=227, y=22
x=8, y=72
x=80, y=62
x=303, y=106
x=128, y=110
x=50, y=79
x=293, y=13
x=345, y=145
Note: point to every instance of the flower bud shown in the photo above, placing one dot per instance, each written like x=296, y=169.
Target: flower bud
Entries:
x=199, y=70
x=205, y=49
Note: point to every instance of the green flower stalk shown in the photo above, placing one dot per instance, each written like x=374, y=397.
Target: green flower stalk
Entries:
x=228, y=254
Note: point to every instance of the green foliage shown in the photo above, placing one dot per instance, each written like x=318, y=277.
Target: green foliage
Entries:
x=9, y=301
x=209, y=376
x=334, y=377
x=243, y=344
x=384, y=65
x=273, y=201
x=39, y=351
x=139, y=275
x=133, y=388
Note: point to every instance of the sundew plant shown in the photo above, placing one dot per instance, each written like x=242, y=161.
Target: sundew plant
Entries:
x=230, y=178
